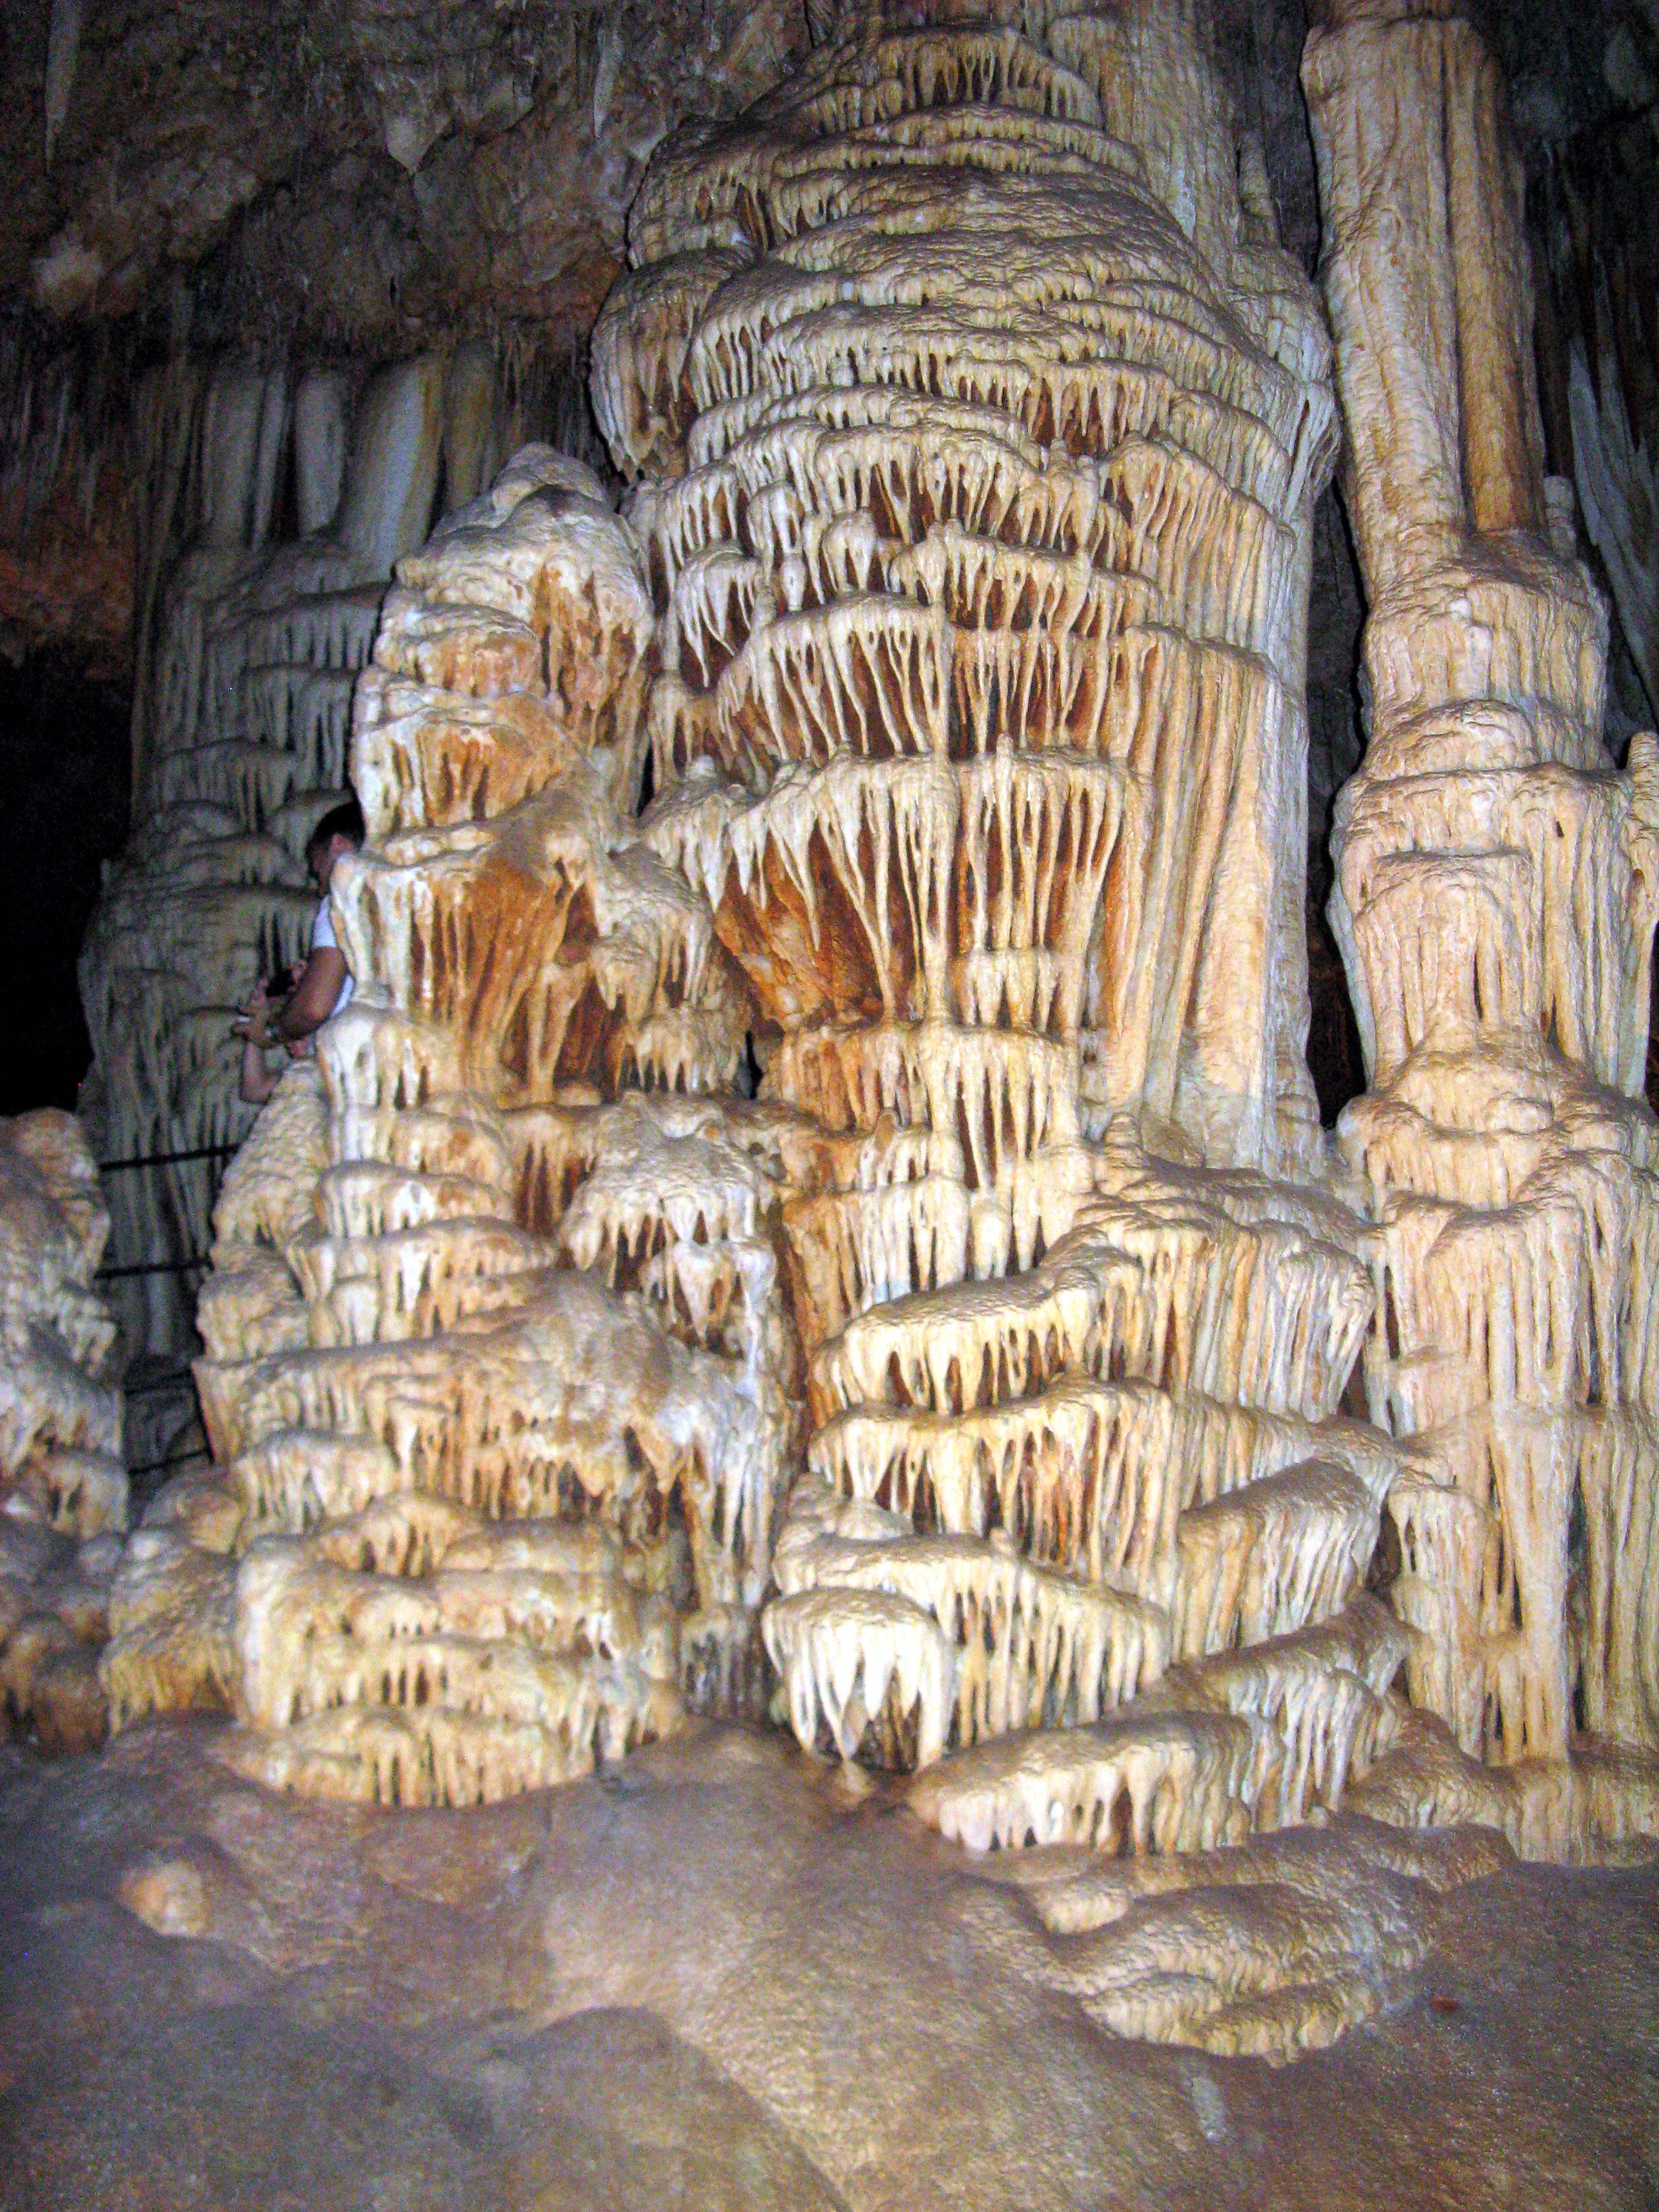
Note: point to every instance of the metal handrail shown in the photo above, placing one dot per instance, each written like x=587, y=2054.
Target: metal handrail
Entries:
x=153, y=1268
x=166, y=1159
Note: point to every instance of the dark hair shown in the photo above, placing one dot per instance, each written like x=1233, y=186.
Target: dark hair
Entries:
x=345, y=820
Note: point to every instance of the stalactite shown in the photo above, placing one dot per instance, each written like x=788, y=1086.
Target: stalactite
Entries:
x=242, y=735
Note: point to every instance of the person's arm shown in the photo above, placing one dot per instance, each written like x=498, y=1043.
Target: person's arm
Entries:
x=256, y=1084
x=314, y=996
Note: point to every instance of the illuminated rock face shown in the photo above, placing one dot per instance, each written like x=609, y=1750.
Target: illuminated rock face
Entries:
x=979, y=528
x=978, y=1392
x=979, y=424
x=497, y=1371
x=242, y=730
x=63, y=1483
x=1498, y=885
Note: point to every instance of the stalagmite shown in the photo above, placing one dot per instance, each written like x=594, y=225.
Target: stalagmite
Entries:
x=1497, y=886
x=976, y=432
x=498, y=1374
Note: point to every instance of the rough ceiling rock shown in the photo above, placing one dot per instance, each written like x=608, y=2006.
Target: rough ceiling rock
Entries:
x=393, y=161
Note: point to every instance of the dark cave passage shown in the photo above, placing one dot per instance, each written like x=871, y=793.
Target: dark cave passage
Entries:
x=65, y=764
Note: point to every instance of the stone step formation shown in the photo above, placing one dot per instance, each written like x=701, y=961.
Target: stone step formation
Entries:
x=982, y=1394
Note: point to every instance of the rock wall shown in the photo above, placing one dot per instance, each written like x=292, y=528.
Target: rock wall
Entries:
x=354, y=178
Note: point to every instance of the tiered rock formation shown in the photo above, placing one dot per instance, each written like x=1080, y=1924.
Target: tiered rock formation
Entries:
x=956, y=632
x=241, y=730
x=63, y=1484
x=1498, y=889
x=982, y=424
x=497, y=1370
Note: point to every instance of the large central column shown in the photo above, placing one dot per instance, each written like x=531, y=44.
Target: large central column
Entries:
x=979, y=424
x=972, y=462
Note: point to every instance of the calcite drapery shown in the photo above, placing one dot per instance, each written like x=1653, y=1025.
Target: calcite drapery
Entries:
x=1498, y=885
x=978, y=424
x=955, y=629
x=242, y=725
x=974, y=724
x=956, y=622
x=497, y=1371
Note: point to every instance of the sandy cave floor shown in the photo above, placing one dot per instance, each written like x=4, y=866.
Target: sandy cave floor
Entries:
x=714, y=1977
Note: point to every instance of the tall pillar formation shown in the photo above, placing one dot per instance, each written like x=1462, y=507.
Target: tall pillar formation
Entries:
x=977, y=422
x=1498, y=881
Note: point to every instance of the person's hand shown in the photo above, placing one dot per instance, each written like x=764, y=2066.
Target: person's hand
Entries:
x=256, y=1014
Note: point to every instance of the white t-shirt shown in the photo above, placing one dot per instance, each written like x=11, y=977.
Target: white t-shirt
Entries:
x=322, y=932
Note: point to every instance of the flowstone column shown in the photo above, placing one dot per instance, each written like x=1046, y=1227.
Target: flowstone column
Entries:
x=242, y=726
x=1498, y=886
x=497, y=1368
x=978, y=426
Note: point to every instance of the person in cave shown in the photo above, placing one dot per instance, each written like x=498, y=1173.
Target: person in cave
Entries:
x=316, y=990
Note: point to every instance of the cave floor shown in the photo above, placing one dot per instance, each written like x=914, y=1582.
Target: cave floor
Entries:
x=715, y=1977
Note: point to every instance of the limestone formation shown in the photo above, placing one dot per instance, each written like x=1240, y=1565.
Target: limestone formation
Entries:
x=242, y=726
x=498, y=1372
x=1497, y=886
x=63, y=1482
x=817, y=1200
x=978, y=424
x=1263, y=1949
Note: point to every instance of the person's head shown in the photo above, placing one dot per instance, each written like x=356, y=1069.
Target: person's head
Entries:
x=340, y=830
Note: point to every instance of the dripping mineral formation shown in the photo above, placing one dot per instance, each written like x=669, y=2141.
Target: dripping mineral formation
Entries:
x=242, y=728
x=498, y=1367
x=982, y=1395
x=979, y=423
x=1498, y=885
x=62, y=1481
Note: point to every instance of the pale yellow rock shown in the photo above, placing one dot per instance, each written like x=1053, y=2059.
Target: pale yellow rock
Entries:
x=1495, y=904
x=981, y=1395
x=62, y=1481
